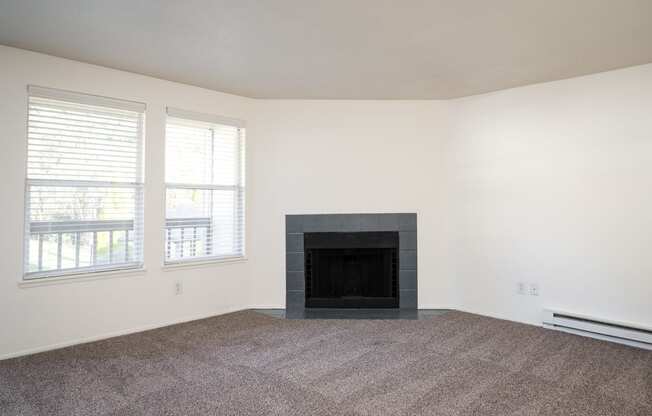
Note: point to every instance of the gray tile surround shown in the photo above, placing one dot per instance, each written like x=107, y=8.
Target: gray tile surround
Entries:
x=297, y=225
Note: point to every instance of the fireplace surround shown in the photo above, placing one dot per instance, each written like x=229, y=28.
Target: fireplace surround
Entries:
x=351, y=261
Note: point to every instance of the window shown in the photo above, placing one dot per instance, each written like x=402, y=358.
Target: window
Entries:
x=84, y=186
x=205, y=192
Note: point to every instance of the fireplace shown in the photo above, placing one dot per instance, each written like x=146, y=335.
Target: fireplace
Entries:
x=351, y=269
x=350, y=261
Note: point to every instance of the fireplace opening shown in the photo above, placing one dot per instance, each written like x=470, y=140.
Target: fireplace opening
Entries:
x=351, y=270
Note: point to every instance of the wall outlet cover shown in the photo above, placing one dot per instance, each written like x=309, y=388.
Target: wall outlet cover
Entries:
x=534, y=289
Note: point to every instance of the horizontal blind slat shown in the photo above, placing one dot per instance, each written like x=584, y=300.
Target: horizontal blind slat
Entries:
x=45, y=133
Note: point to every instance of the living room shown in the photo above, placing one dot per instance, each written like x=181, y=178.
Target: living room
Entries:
x=326, y=208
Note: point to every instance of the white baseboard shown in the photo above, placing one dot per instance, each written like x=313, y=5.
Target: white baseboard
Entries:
x=498, y=316
x=266, y=307
x=437, y=307
x=108, y=335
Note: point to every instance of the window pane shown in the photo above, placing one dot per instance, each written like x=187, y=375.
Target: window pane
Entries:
x=188, y=154
x=33, y=253
x=202, y=155
x=85, y=249
x=68, y=203
x=102, y=248
x=84, y=184
x=68, y=252
x=224, y=222
x=225, y=155
x=202, y=223
x=189, y=224
x=50, y=249
x=205, y=217
x=75, y=142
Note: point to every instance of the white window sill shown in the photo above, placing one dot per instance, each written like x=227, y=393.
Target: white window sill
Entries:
x=193, y=264
x=86, y=277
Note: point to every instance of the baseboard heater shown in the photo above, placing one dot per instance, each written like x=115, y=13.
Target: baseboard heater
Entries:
x=622, y=333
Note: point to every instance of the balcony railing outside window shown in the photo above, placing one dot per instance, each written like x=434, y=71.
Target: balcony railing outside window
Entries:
x=61, y=245
x=187, y=237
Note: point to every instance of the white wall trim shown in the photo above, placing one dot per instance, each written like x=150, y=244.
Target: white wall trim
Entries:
x=114, y=334
x=195, y=264
x=80, y=278
x=437, y=307
x=497, y=316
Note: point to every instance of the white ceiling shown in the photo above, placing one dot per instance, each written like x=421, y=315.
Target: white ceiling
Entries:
x=372, y=49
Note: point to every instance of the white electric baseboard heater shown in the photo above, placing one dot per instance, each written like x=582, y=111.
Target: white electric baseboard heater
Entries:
x=620, y=332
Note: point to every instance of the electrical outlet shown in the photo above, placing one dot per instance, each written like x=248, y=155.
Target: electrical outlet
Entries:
x=178, y=288
x=534, y=289
x=520, y=288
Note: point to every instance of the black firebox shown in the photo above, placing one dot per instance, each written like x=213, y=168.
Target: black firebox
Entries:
x=351, y=270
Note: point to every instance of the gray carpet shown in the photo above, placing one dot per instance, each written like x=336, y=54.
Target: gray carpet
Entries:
x=247, y=363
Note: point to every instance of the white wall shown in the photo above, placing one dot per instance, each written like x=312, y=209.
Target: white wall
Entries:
x=552, y=183
x=316, y=157
x=548, y=184
x=39, y=317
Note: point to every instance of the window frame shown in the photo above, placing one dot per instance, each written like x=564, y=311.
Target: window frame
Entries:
x=239, y=189
x=138, y=186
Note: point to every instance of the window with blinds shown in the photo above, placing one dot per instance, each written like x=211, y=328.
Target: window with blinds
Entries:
x=84, y=186
x=205, y=187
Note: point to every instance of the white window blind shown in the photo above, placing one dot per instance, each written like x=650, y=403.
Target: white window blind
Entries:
x=84, y=186
x=205, y=187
